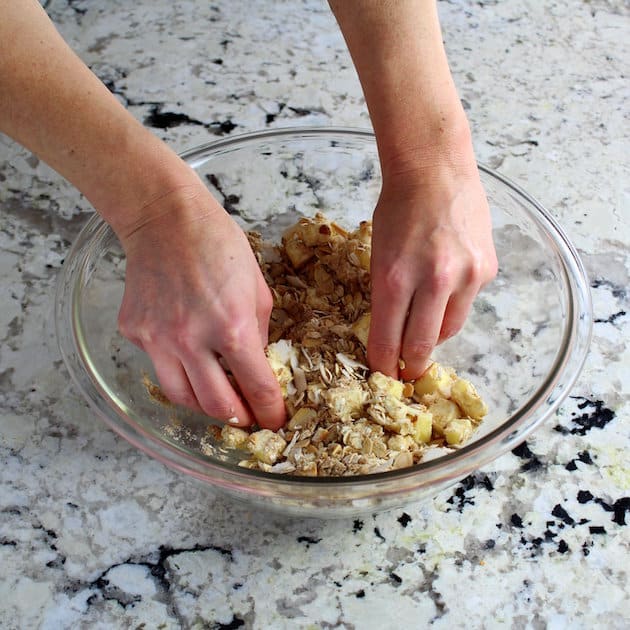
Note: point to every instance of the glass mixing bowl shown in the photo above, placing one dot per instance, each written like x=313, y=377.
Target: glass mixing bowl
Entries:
x=523, y=344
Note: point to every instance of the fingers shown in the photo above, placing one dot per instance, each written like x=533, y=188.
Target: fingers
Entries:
x=456, y=312
x=264, y=306
x=257, y=382
x=239, y=349
x=216, y=395
x=387, y=325
x=172, y=378
x=439, y=307
x=191, y=369
x=202, y=384
x=422, y=330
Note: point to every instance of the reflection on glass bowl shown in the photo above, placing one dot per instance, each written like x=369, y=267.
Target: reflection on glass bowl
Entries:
x=523, y=344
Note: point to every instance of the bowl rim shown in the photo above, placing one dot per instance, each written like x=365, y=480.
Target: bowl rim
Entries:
x=561, y=376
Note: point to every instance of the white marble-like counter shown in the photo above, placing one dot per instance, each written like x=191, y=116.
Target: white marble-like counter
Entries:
x=94, y=534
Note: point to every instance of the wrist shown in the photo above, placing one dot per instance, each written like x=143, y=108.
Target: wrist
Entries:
x=437, y=143
x=146, y=182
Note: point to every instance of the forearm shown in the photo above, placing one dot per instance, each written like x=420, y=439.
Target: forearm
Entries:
x=52, y=103
x=397, y=49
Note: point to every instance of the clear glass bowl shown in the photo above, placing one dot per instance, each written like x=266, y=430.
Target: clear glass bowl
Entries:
x=523, y=344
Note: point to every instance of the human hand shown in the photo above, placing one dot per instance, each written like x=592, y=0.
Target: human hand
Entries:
x=432, y=251
x=195, y=298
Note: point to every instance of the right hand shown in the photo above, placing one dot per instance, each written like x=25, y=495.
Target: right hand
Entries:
x=195, y=299
x=432, y=251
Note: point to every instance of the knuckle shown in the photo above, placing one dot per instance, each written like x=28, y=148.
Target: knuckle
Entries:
x=441, y=275
x=384, y=351
x=477, y=270
x=239, y=334
x=492, y=269
x=143, y=334
x=480, y=268
x=127, y=326
x=265, y=395
x=185, y=339
x=140, y=330
x=394, y=281
x=180, y=397
x=417, y=349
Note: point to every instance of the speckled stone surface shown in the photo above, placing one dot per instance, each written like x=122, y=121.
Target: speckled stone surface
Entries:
x=94, y=534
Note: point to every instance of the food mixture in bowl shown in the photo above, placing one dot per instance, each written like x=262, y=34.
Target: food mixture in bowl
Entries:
x=343, y=419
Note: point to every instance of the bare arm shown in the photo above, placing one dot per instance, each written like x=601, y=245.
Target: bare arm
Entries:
x=185, y=307
x=52, y=103
x=432, y=244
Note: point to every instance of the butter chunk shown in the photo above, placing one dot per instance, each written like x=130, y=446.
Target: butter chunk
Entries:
x=266, y=446
x=463, y=392
x=423, y=427
x=383, y=385
x=457, y=431
x=443, y=411
x=346, y=401
x=435, y=380
x=234, y=437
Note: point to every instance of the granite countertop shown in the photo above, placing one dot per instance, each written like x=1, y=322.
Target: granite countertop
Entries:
x=94, y=534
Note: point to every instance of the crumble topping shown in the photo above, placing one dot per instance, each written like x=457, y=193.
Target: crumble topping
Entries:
x=343, y=419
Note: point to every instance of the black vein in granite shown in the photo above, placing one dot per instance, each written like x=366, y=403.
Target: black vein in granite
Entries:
x=396, y=580
x=309, y=540
x=47, y=537
x=551, y=540
x=461, y=497
x=236, y=622
x=563, y=547
x=158, y=569
x=270, y=117
x=404, y=519
x=377, y=533
x=160, y=119
x=313, y=184
x=611, y=319
x=428, y=588
x=39, y=214
x=156, y=116
x=559, y=512
x=165, y=120
x=596, y=416
x=306, y=111
x=619, y=508
x=582, y=456
x=532, y=461
x=620, y=293
x=617, y=291
x=75, y=5
x=229, y=200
